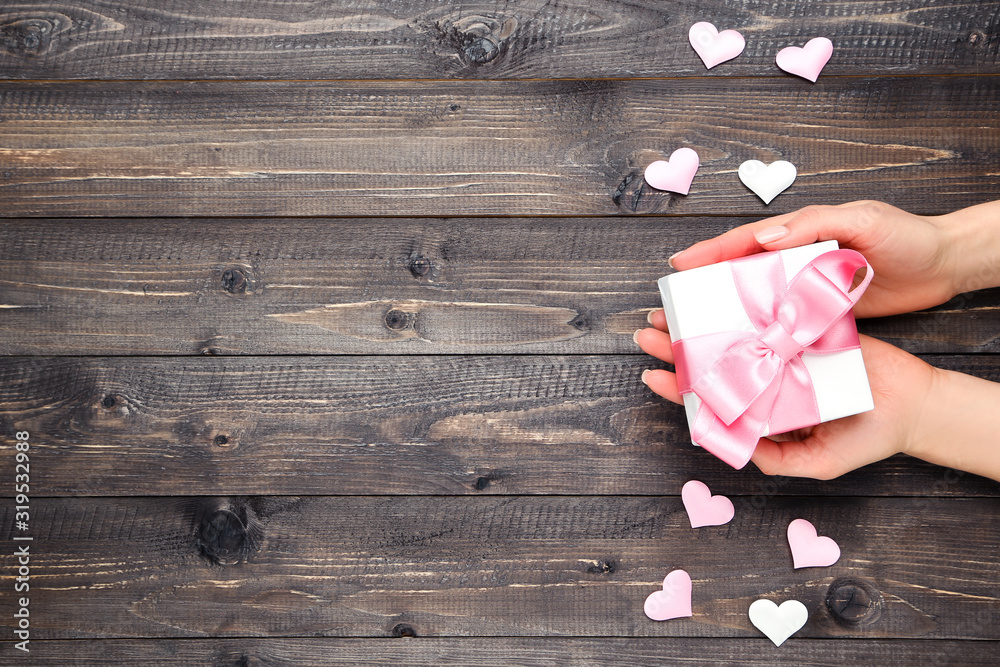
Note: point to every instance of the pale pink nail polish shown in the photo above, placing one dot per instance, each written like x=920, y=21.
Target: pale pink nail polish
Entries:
x=771, y=234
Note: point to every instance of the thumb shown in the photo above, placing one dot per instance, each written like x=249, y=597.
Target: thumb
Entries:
x=794, y=458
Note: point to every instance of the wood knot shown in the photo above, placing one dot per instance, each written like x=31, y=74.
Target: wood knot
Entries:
x=480, y=39
x=634, y=195
x=210, y=347
x=481, y=50
x=397, y=320
x=238, y=280
x=977, y=38
x=403, y=630
x=227, y=532
x=420, y=266
x=234, y=280
x=630, y=192
x=221, y=440
x=109, y=401
x=31, y=37
x=603, y=567
x=485, y=481
x=854, y=603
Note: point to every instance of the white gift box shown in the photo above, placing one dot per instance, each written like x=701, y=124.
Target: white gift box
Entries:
x=705, y=301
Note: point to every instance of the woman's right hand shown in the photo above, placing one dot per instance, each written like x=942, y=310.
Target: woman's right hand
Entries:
x=915, y=258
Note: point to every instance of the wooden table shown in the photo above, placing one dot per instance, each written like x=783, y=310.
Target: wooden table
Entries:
x=318, y=317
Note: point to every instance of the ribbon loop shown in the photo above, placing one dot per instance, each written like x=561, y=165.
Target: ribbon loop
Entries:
x=741, y=376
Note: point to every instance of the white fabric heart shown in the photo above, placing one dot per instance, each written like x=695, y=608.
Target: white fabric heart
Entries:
x=778, y=623
x=767, y=181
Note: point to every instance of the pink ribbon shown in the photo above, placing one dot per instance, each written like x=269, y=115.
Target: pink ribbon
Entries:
x=750, y=383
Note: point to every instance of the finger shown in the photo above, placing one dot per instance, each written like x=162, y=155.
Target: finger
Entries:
x=837, y=221
x=847, y=223
x=735, y=243
x=655, y=342
x=658, y=319
x=663, y=383
x=738, y=242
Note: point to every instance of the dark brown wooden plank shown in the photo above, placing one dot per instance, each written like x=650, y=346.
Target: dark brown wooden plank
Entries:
x=177, y=39
x=388, y=425
x=503, y=566
x=371, y=286
x=506, y=148
x=925, y=330
x=513, y=652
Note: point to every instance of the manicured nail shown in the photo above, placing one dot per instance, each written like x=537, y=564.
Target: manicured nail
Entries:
x=635, y=336
x=670, y=260
x=771, y=234
x=649, y=316
x=643, y=376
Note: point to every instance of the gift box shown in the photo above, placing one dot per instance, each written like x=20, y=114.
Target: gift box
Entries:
x=767, y=344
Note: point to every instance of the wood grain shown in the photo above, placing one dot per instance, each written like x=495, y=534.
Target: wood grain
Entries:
x=371, y=286
x=388, y=39
x=498, y=148
x=328, y=359
x=514, y=651
x=389, y=425
x=501, y=566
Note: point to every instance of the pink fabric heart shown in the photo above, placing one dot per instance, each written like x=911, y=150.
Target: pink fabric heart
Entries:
x=703, y=508
x=674, y=174
x=714, y=47
x=808, y=549
x=807, y=61
x=674, y=601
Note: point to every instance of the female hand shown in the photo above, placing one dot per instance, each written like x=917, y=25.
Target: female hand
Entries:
x=914, y=257
x=901, y=385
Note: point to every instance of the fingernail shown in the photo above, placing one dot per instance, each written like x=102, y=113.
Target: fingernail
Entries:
x=670, y=260
x=643, y=376
x=771, y=234
x=635, y=336
x=649, y=316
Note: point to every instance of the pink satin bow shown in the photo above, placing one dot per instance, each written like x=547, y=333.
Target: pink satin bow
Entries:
x=749, y=382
